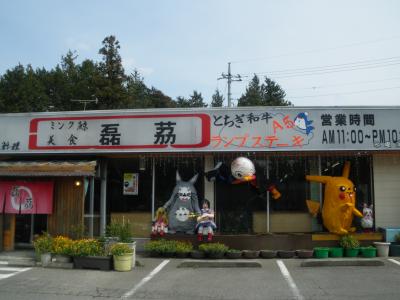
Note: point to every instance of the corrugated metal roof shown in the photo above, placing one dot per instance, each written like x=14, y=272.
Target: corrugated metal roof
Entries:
x=48, y=168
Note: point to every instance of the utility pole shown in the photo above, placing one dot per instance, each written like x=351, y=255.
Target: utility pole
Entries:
x=84, y=102
x=230, y=78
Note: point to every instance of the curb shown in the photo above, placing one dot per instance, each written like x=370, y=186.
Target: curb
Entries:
x=219, y=264
x=342, y=263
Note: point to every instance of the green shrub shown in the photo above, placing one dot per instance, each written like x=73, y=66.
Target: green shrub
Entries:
x=213, y=248
x=167, y=248
x=121, y=230
x=349, y=242
x=120, y=249
x=183, y=247
x=43, y=244
x=397, y=238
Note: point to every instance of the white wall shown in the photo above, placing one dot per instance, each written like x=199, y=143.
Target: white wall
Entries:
x=387, y=190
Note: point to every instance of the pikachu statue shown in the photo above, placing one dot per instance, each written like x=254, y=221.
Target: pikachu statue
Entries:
x=339, y=202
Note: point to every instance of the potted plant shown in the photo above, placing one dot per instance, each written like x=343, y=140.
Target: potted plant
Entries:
x=214, y=250
x=43, y=246
x=61, y=249
x=368, y=252
x=183, y=249
x=122, y=255
x=89, y=254
x=350, y=244
x=233, y=253
x=394, y=248
x=321, y=252
x=336, y=252
x=382, y=248
x=153, y=248
x=120, y=232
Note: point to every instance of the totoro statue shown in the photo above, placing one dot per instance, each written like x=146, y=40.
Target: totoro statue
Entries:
x=182, y=206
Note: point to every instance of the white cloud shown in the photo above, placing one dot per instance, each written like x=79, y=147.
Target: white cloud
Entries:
x=130, y=64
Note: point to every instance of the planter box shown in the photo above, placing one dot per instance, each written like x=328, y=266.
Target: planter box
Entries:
x=234, y=255
x=104, y=263
x=197, y=254
x=250, y=253
x=286, y=253
x=62, y=258
x=394, y=249
x=268, y=253
x=304, y=253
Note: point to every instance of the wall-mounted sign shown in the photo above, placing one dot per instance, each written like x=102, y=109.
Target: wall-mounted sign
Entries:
x=203, y=130
x=131, y=184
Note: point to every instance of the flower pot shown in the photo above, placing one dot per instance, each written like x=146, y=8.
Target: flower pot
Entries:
x=215, y=255
x=133, y=247
x=368, y=252
x=286, y=253
x=62, y=258
x=250, y=254
x=123, y=263
x=321, y=252
x=234, y=255
x=197, y=254
x=382, y=249
x=351, y=252
x=394, y=249
x=103, y=263
x=336, y=252
x=268, y=253
x=304, y=253
x=45, y=259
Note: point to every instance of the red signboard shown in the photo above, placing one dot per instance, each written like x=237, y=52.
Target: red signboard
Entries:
x=27, y=197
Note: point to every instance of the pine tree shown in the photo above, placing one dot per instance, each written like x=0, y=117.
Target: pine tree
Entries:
x=253, y=95
x=217, y=99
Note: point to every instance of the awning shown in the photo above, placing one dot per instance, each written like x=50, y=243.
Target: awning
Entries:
x=47, y=168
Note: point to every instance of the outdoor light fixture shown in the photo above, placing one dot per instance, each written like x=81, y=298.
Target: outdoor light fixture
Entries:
x=142, y=163
x=77, y=183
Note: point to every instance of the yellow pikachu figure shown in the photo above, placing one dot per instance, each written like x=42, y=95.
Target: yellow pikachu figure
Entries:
x=339, y=202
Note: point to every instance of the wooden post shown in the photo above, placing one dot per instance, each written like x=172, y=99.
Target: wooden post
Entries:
x=9, y=232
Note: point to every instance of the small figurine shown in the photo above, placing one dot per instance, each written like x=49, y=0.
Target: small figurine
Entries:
x=160, y=223
x=367, y=222
x=205, y=222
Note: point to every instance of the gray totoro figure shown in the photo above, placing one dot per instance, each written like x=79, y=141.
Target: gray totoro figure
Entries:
x=182, y=204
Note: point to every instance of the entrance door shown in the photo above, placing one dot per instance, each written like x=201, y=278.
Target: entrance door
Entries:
x=26, y=226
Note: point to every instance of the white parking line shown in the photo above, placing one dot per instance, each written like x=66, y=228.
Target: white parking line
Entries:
x=394, y=261
x=144, y=280
x=14, y=270
x=289, y=280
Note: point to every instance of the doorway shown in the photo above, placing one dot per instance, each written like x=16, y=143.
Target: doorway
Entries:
x=27, y=226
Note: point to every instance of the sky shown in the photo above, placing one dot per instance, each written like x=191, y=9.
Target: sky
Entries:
x=322, y=53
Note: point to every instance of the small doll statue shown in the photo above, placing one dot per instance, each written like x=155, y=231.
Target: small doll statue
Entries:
x=205, y=222
x=160, y=223
x=367, y=221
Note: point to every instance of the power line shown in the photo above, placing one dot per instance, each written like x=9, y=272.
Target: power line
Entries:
x=342, y=84
x=316, y=50
x=357, y=65
x=347, y=93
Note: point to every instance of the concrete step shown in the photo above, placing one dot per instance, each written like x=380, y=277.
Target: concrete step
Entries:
x=221, y=263
x=17, y=261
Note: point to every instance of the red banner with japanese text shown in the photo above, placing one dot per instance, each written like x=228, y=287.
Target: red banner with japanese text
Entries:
x=2, y=197
x=22, y=197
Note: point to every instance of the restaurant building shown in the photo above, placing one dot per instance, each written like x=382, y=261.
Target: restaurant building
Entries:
x=63, y=170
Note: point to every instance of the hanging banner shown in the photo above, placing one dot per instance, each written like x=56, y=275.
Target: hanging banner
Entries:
x=28, y=197
x=2, y=196
x=131, y=184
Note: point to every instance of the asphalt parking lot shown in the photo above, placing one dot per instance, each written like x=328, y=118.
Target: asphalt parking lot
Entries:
x=164, y=279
